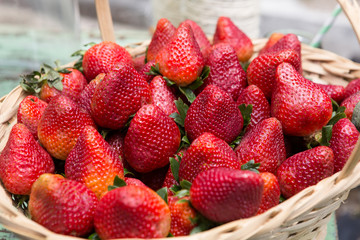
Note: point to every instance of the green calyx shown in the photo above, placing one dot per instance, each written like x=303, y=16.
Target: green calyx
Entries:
x=118, y=182
x=246, y=111
x=251, y=166
x=80, y=53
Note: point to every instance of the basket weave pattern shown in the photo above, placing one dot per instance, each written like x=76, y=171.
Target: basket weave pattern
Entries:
x=304, y=216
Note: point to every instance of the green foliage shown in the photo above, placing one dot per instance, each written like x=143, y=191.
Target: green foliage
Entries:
x=251, y=166
x=356, y=116
x=118, y=182
x=163, y=193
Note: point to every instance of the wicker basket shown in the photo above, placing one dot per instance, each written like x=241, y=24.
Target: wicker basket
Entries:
x=303, y=216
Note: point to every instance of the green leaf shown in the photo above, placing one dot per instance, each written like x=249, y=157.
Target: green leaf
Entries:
x=205, y=72
x=356, y=116
x=236, y=141
x=188, y=93
x=246, y=111
x=182, y=193
x=154, y=70
x=182, y=108
x=127, y=172
x=163, y=193
x=58, y=85
x=196, y=84
x=335, y=105
x=202, y=224
x=326, y=133
x=336, y=118
x=245, y=65
x=118, y=182
x=169, y=83
x=185, y=184
x=170, y=235
x=282, y=199
x=174, y=166
x=175, y=188
x=94, y=236
x=251, y=166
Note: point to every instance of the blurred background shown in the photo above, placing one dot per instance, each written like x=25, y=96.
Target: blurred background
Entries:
x=37, y=31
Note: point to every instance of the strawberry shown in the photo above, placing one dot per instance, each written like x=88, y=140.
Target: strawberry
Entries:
x=162, y=35
x=84, y=99
x=181, y=59
x=205, y=152
x=181, y=215
x=274, y=37
x=119, y=95
x=139, y=62
x=224, y=195
x=29, y=113
x=264, y=144
x=93, y=162
x=116, y=141
x=162, y=95
x=146, y=69
x=133, y=181
x=132, y=212
x=343, y=139
x=63, y=206
x=260, y=105
x=156, y=134
x=271, y=193
x=22, y=161
x=213, y=111
x=102, y=58
x=262, y=70
x=60, y=125
x=300, y=105
x=289, y=41
x=335, y=92
x=305, y=169
x=200, y=37
x=227, y=32
x=349, y=103
x=352, y=87
x=225, y=70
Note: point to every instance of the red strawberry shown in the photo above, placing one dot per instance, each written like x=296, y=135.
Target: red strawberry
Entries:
x=213, y=111
x=227, y=32
x=300, y=105
x=84, y=99
x=224, y=195
x=335, y=92
x=349, y=103
x=121, y=94
x=134, y=181
x=22, y=161
x=262, y=70
x=116, y=141
x=343, y=139
x=264, y=144
x=156, y=134
x=153, y=179
x=181, y=59
x=63, y=206
x=225, y=70
x=145, y=69
x=93, y=162
x=205, y=152
x=132, y=212
x=60, y=126
x=181, y=215
x=305, y=169
x=162, y=35
x=200, y=37
x=271, y=193
x=102, y=58
x=274, y=37
x=261, y=107
x=162, y=95
x=29, y=113
x=289, y=41
x=352, y=87
x=139, y=62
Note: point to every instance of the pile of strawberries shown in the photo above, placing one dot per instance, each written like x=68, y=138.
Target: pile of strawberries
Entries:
x=190, y=136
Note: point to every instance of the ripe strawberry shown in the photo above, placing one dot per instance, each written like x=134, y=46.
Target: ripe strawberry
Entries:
x=63, y=206
x=289, y=41
x=22, y=161
x=305, y=169
x=84, y=99
x=60, y=125
x=274, y=37
x=300, y=105
x=213, y=111
x=119, y=95
x=102, y=58
x=145, y=69
x=264, y=144
x=343, y=139
x=225, y=70
x=153, y=179
x=349, y=103
x=156, y=134
x=181, y=215
x=205, y=152
x=200, y=37
x=162, y=35
x=93, y=162
x=134, y=181
x=139, y=62
x=224, y=195
x=335, y=92
x=262, y=70
x=227, y=32
x=132, y=212
x=271, y=193
x=162, y=95
x=116, y=141
x=29, y=113
x=181, y=59
x=352, y=87
x=73, y=84
x=261, y=107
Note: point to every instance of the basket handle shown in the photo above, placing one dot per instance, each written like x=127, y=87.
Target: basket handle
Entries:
x=352, y=11
x=105, y=21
